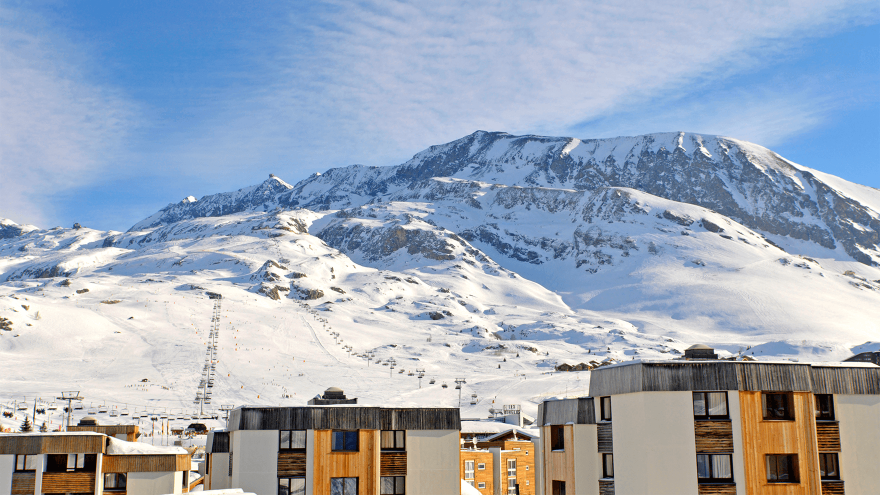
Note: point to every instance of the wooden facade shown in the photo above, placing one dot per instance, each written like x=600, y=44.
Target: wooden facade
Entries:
x=68, y=483
x=762, y=437
x=558, y=464
x=606, y=487
x=30, y=444
x=146, y=463
x=485, y=475
x=361, y=464
x=717, y=489
x=525, y=469
x=605, y=438
x=579, y=411
x=344, y=418
x=392, y=464
x=832, y=488
x=713, y=436
x=292, y=464
x=130, y=431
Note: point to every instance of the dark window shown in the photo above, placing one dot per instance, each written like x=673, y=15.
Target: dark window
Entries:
x=292, y=440
x=56, y=463
x=230, y=464
x=607, y=465
x=114, y=482
x=782, y=468
x=710, y=405
x=393, y=439
x=605, y=407
x=714, y=468
x=345, y=441
x=61, y=463
x=828, y=468
x=392, y=485
x=558, y=487
x=291, y=486
x=343, y=486
x=557, y=438
x=26, y=462
x=777, y=406
x=825, y=407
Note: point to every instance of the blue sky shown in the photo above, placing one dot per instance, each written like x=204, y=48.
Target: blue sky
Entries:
x=110, y=110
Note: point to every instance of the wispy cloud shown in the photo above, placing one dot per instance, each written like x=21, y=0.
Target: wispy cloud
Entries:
x=58, y=130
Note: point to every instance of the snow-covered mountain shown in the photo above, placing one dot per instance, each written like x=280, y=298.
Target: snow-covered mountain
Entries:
x=493, y=257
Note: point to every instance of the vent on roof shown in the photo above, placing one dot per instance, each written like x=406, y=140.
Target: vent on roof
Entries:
x=700, y=351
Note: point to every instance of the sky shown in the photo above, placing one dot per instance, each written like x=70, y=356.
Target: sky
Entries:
x=111, y=110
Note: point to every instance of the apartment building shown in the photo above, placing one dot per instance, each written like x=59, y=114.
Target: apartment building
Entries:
x=89, y=462
x=337, y=450
x=500, y=464
x=705, y=426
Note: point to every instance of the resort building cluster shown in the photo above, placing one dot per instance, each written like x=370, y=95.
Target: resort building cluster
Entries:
x=692, y=426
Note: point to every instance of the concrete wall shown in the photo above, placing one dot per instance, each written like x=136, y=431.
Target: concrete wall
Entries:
x=859, y=418
x=587, y=460
x=310, y=462
x=255, y=461
x=7, y=465
x=739, y=468
x=154, y=483
x=654, y=443
x=220, y=472
x=539, y=465
x=432, y=462
x=41, y=468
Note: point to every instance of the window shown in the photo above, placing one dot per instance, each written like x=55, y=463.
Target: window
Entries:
x=468, y=470
x=511, y=486
x=558, y=487
x=114, y=482
x=782, y=468
x=292, y=440
x=527, y=467
x=607, y=465
x=714, y=468
x=481, y=485
x=511, y=468
x=26, y=462
x=557, y=438
x=824, y=407
x=777, y=406
x=605, y=406
x=481, y=466
x=828, y=469
x=710, y=405
x=345, y=441
x=343, y=486
x=393, y=440
x=61, y=463
x=291, y=486
x=392, y=485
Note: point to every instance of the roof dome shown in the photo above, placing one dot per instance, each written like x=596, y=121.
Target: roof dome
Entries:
x=333, y=389
x=700, y=346
x=88, y=421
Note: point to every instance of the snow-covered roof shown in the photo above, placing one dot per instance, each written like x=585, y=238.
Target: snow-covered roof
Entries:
x=121, y=447
x=520, y=432
x=494, y=428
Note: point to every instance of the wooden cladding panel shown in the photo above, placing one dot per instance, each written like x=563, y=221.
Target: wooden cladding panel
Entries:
x=605, y=438
x=559, y=464
x=23, y=483
x=362, y=464
x=832, y=488
x=566, y=411
x=291, y=464
x=846, y=380
x=89, y=443
x=713, y=436
x=606, y=487
x=728, y=489
x=828, y=436
x=525, y=470
x=480, y=475
x=147, y=463
x=779, y=437
x=392, y=464
x=344, y=418
x=68, y=482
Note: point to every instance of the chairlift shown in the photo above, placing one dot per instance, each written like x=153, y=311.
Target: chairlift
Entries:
x=91, y=412
x=163, y=416
x=457, y=386
x=432, y=381
x=23, y=407
x=53, y=407
x=124, y=412
x=102, y=409
x=77, y=406
x=411, y=374
x=114, y=413
x=444, y=385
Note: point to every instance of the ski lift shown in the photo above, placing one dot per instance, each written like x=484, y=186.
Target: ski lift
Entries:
x=181, y=417
x=91, y=411
x=77, y=406
x=102, y=409
x=124, y=412
x=163, y=416
x=23, y=407
x=114, y=413
x=432, y=381
x=411, y=374
x=53, y=407
x=457, y=386
x=473, y=399
x=444, y=385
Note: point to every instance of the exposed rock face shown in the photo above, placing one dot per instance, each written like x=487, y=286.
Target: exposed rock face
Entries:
x=10, y=229
x=742, y=181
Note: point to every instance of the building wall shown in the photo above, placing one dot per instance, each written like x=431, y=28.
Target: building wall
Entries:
x=739, y=470
x=154, y=483
x=654, y=443
x=363, y=464
x=859, y=419
x=255, y=461
x=525, y=469
x=780, y=437
x=588, y=460
x=7, y=465
x=219, y=478
x=432, y=462
x=310, y=462
x=559, y=465
x=487, y=475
